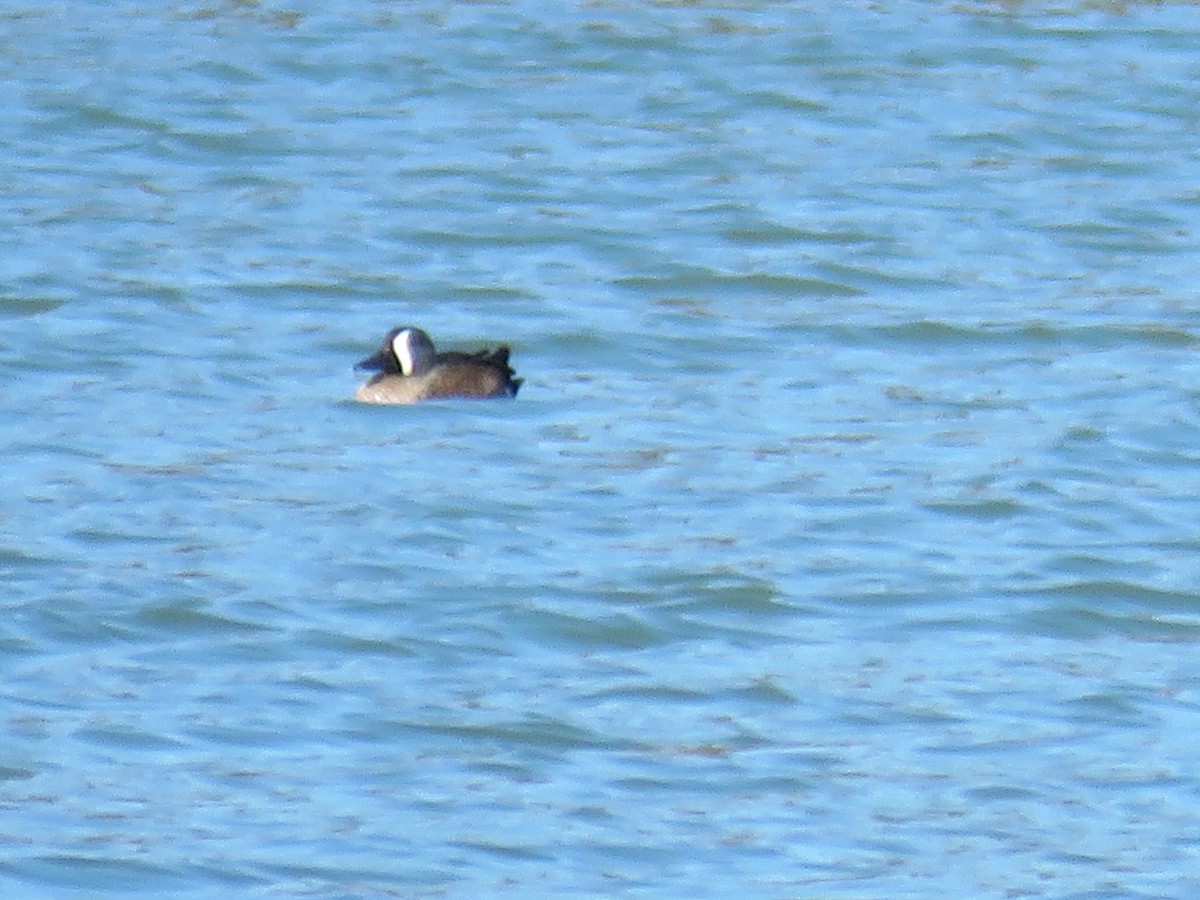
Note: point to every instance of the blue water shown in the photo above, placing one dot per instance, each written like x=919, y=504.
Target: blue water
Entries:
x=842, y=542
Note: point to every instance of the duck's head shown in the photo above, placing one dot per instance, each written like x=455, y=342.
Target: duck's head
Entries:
x=405, y=351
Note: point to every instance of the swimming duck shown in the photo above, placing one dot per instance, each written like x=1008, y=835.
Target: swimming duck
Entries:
x=410, y=370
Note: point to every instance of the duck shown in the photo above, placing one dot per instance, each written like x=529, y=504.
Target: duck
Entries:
x=410, y=370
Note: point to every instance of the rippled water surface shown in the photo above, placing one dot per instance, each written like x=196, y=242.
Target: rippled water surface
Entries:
x=842, y=542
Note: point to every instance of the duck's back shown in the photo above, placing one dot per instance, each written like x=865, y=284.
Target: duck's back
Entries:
x=473, y=375
x=467, y=378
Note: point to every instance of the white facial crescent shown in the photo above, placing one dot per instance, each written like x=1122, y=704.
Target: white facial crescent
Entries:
x=402, y=347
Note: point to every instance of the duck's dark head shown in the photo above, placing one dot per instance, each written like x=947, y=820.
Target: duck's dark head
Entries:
x=405, y=351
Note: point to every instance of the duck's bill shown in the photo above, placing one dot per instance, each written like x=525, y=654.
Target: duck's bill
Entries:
x=376, y=363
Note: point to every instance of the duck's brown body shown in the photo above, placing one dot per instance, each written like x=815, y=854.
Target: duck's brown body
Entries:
x=410, y=371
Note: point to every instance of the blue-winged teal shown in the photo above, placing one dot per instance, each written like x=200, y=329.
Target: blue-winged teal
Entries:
x=410, y=370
